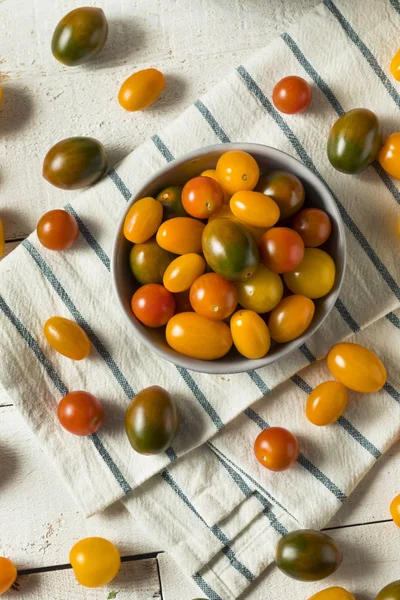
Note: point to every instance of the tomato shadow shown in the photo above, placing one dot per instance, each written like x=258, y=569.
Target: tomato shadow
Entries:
x=9, y=466
x=176, y=88
x=115, y=155
x=192, y=425
x=16, y=225
x=16, y=109
x=114, y=418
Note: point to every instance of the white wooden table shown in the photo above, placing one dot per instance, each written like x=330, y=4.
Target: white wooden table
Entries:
x=194, y=42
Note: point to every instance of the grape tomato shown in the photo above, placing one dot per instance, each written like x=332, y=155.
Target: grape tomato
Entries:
x=67, y=338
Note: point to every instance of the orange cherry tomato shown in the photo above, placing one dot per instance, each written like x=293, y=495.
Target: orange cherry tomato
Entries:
x=292, y=95
x=281, y=249
x=57, y=230
x=196, y=336
x=226, y=213
x=314, y=276
x=356, y=367
x=276, y=448
x=183, y=271
x=333, y=593
x=8, y=574
x=141, y=89
x=153, y=305
x=213, y=296
x=389, y=155
x=261, y=292
x=213, y=174
x=326, y=403
x=236, y=171
x=2, y=238
x=181, y=235
x=143, y=219
x=395, y=510
x=313, y=226
x=202, y=197
x=95, y=561
x=291, y=318
x=254, y=208
x=80, y=413
x=67, y=338
x=250, y=334
x=395, y=66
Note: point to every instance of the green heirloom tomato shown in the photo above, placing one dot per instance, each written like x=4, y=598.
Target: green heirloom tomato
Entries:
x=79, y=36
x=230, y=249
x=149, y=261
x=75, y=163
x=171, y=199
x=307, y=555
x=285, y=189
x=390, y=592
x=151, y=420
x=354, y=141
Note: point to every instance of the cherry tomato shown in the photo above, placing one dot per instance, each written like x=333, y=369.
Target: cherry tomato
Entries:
x=281, y=249
x=314, y=276
x=236, y=171
x=143, y=219
x=183, y=302
x=390, y=592
x=202, y=197
x=326, y=403
x=213, y=296
x=181, y=235
x=395, y=66
x=226, y=213
x=95, y=561
x=148, y=261
x=183, y=271
x=8, y=574
x=153, y=305
x=291, y=318
x=276, y=448
x=67, y=338
x=285, y=189
x=196, y=336
x=356, y=367
x=333, y=593
x=313, y=226
x=80, y=413
x=261, y=292
x=141, y=89
x=250, y=334
x=213, y=174
x=171, y=200
x=389, y=155
x=254, y=208
x=2, y=238
x=57, y=230
x=395, y=510
x=292, y=95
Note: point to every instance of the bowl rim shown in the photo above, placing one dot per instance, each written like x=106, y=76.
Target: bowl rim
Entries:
x=221, y=367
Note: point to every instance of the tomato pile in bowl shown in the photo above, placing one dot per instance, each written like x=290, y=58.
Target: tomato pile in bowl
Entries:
x=229, y=258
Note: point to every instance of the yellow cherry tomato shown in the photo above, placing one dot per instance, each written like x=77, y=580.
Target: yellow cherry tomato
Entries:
x=315, y=275
x=196, y=336
x=389, y=155
x=255, y=209
x=8, y=574
x=181, y=235
x=291, y=318
x=213, y=174
x=183, y=271
x=225, y=212
x=326, y=403
x=67, y=338
x=95, y=561
x=395, y=66
x=333, y=593
x=261, y=292
x=357, y=367
x=141, y=89
x=143, y=219
x=236, y=171
x=250, y=334
x=2, y=238
x=395, y=510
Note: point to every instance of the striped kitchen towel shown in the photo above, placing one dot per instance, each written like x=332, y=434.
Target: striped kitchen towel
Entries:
x=344, y=53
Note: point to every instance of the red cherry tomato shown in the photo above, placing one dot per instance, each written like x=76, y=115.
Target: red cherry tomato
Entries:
x=57, y=230
x=153, y=305
x=213, y=296
x=292, y=95
x=202, y=197
x=276, y=448
x=313, y=226
x=281, y=249
x=80, y=413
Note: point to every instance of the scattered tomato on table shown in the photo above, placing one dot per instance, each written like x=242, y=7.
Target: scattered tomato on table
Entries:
x=333, y=593
x=326, y=403
x=8, y=574
x=95, y=561
x=356, y=367
x=80, y=413
x=67, y=338
x=57, y=230
x=395, y=510
x=390, y=592
x=141, y=89
x=292, y=95
x=395, y=66
x=389, y=155
x=276, y=448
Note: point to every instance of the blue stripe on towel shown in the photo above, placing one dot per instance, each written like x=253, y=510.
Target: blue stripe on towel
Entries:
x=120, y=185
x=216, y=127
x=205, y=587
